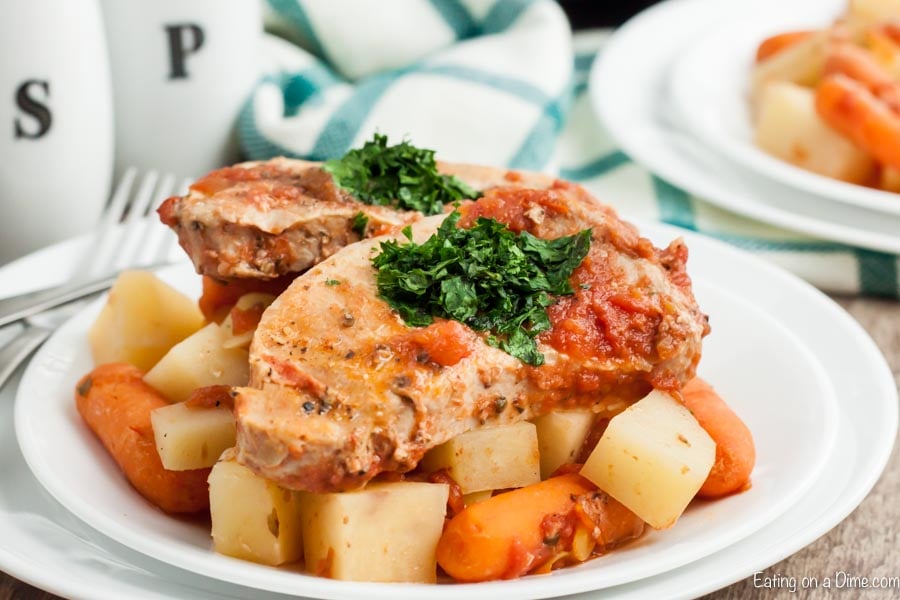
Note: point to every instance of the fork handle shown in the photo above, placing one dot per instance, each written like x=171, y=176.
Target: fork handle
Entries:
x=19, y=349
x=24, y=305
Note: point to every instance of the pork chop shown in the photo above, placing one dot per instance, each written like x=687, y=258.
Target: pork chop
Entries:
x=265, y=220
x=341, y=389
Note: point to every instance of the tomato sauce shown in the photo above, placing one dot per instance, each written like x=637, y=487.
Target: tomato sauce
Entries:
x=444, y=342
x=224, y=178
x=515, y=207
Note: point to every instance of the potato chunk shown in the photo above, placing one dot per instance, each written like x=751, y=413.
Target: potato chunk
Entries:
x=875, y=10
x=191, y=438
x=252, y=518
x=199, y=361
x=560, y=436
x=386, y=532
x=789, y=128
x=142, y=319
x=803, y=64
x=489, y=459
x=652, y=458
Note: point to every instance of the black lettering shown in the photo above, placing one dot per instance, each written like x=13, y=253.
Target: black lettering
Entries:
x=32, y=106
x=179, y=49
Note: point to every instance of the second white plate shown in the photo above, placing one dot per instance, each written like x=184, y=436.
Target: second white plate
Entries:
x=710, y=87
x=630, y=92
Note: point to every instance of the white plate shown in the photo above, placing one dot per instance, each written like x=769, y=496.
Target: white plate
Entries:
x=753, y=360
x=45, y=545
x=711, y=88
x=630, y=93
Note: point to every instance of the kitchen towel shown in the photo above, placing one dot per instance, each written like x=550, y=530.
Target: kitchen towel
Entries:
x=497, y=82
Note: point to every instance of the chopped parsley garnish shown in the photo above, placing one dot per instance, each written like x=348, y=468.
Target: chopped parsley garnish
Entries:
x=401, y=176
x=486, y=277
x=359, y=223
x=332, y=282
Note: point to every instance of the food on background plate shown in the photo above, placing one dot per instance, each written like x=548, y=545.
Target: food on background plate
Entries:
x=459, y=368
x=829, y=101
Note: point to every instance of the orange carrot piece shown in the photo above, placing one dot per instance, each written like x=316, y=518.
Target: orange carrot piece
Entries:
x=782, y=41
x=503, y=537
x=735, y=452
x=115, y=403
x=218, y=297
x=850, y=108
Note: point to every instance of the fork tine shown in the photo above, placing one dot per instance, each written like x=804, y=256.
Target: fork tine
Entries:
x=112, y=215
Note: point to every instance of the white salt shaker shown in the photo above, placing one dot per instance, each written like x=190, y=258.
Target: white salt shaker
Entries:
x=56, y=122
x=181, y=73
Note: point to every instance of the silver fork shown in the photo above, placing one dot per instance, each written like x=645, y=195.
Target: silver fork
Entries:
x=126, y=237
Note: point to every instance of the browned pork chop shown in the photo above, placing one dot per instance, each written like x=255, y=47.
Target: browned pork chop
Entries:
x=264, y=220
x=342, y=390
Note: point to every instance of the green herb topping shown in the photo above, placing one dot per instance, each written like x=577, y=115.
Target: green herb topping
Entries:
x=486, y=277
x=402, y=176
x=359, y=223
x=332, y=282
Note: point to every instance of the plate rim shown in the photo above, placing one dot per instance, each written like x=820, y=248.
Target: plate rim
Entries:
x=744, y=152
x=711, y=189
x=319, y=587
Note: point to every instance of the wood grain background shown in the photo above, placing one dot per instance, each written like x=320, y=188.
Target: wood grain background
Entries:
x=866, y=544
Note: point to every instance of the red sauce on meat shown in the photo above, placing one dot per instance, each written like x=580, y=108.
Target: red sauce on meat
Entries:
x=515, y=207
x=445, y=342
x=601, y=321
x=610, y=316
x=224, y=178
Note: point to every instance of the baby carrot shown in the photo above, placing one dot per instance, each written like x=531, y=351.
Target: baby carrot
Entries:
x=504, y=536
x=775, y=44
x=735, y=453
x=115, y=403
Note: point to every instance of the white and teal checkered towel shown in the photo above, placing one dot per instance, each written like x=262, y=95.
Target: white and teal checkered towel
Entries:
x=497, y=82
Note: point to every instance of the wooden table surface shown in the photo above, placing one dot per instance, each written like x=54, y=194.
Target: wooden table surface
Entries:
x=866, y=544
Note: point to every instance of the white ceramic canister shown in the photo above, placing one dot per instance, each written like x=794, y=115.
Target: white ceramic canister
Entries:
x=181, y=73
x=56, y=122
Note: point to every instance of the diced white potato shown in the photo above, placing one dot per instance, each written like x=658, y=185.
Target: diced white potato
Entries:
x=191, y=438
x=385, y=532
x=790, y=128
x=560, y=436
x=489, y=459
x=803, y=64
x=652, y=458
x=875, y=10
x=476, y=497
x=885, y=50
x=142, y=319
x=255, y=301
x=253, y=518
x=197, y=362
